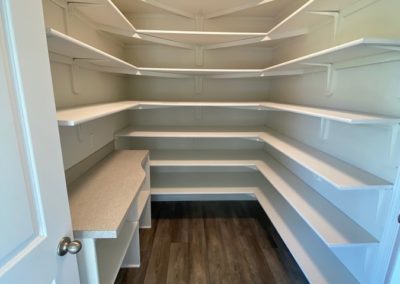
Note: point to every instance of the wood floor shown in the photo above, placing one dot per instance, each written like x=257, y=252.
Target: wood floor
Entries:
x=211, y=242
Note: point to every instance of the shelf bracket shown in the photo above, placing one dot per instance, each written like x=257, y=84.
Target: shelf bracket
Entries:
x=198, y=84
x=199, y=20
x=394, y=136
x=336, y=17
x=330, y=76
x=199, y=54
x=75, y=78
x=324, y=129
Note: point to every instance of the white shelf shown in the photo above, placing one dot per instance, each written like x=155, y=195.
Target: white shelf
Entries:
x=105, y=15
x=174, y=183
x=235, y=73
x=143, y=197
x=315, y=259
x=78, y=115
x=334, y=171
x=86, y=55
x=331, y=114
x=326, y=220
x=190, y=132
x=100, y=199
x=206, y=158
x=322, y=165
x=206, y=39
x=302, y=19
x=333, y=227
x=360, y=48
x=111, y=252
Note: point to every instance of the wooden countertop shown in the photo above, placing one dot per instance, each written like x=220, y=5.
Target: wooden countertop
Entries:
x=99, y=200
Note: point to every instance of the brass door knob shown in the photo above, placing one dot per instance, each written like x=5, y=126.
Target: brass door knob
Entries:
x=67, y=246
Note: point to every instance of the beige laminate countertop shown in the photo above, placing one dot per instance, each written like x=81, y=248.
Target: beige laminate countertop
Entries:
x=99, y=200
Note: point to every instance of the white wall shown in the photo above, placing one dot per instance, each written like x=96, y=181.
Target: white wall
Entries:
x=94, y=87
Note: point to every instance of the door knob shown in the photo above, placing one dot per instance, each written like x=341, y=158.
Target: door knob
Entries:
x=66, y=245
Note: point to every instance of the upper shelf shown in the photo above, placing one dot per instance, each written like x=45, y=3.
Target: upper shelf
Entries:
x=108, y=17
x=209, y=40
x=86, y=55
x=360, y=48
x=78, y=115
x=105, y=15
x=100, y=199
x=308, y=15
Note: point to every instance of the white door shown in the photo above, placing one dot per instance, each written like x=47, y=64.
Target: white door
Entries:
x=34, y=213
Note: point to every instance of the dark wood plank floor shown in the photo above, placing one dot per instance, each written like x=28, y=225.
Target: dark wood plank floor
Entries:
x=211, y=242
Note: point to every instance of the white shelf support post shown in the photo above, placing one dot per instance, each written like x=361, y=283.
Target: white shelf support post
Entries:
x=394, y=135
x=198, y=84
x=199, y=55
x=199, y=22
x=75, y=78
x=324, y=130
x=330, y=76
x=336, y=17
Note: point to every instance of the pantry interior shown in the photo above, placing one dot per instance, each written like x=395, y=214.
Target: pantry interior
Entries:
x=294, y=103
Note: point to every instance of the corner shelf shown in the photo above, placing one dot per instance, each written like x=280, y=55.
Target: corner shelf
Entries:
x=105, y=15
x=356, y=49
x=85, y=55
x=341, y=175
x=99, y=200
x=190, y=132
x=201, y=37
x=173, y=183
x=306, y=245
x=333, y=227
x=78, y=115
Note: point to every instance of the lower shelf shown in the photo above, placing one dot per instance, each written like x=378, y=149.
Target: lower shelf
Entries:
x=334, y=227
x=111, y=252
x=315, y=259
x=314, y=230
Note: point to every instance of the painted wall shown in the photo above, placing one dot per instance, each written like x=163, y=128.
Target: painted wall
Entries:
x=94, y=87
